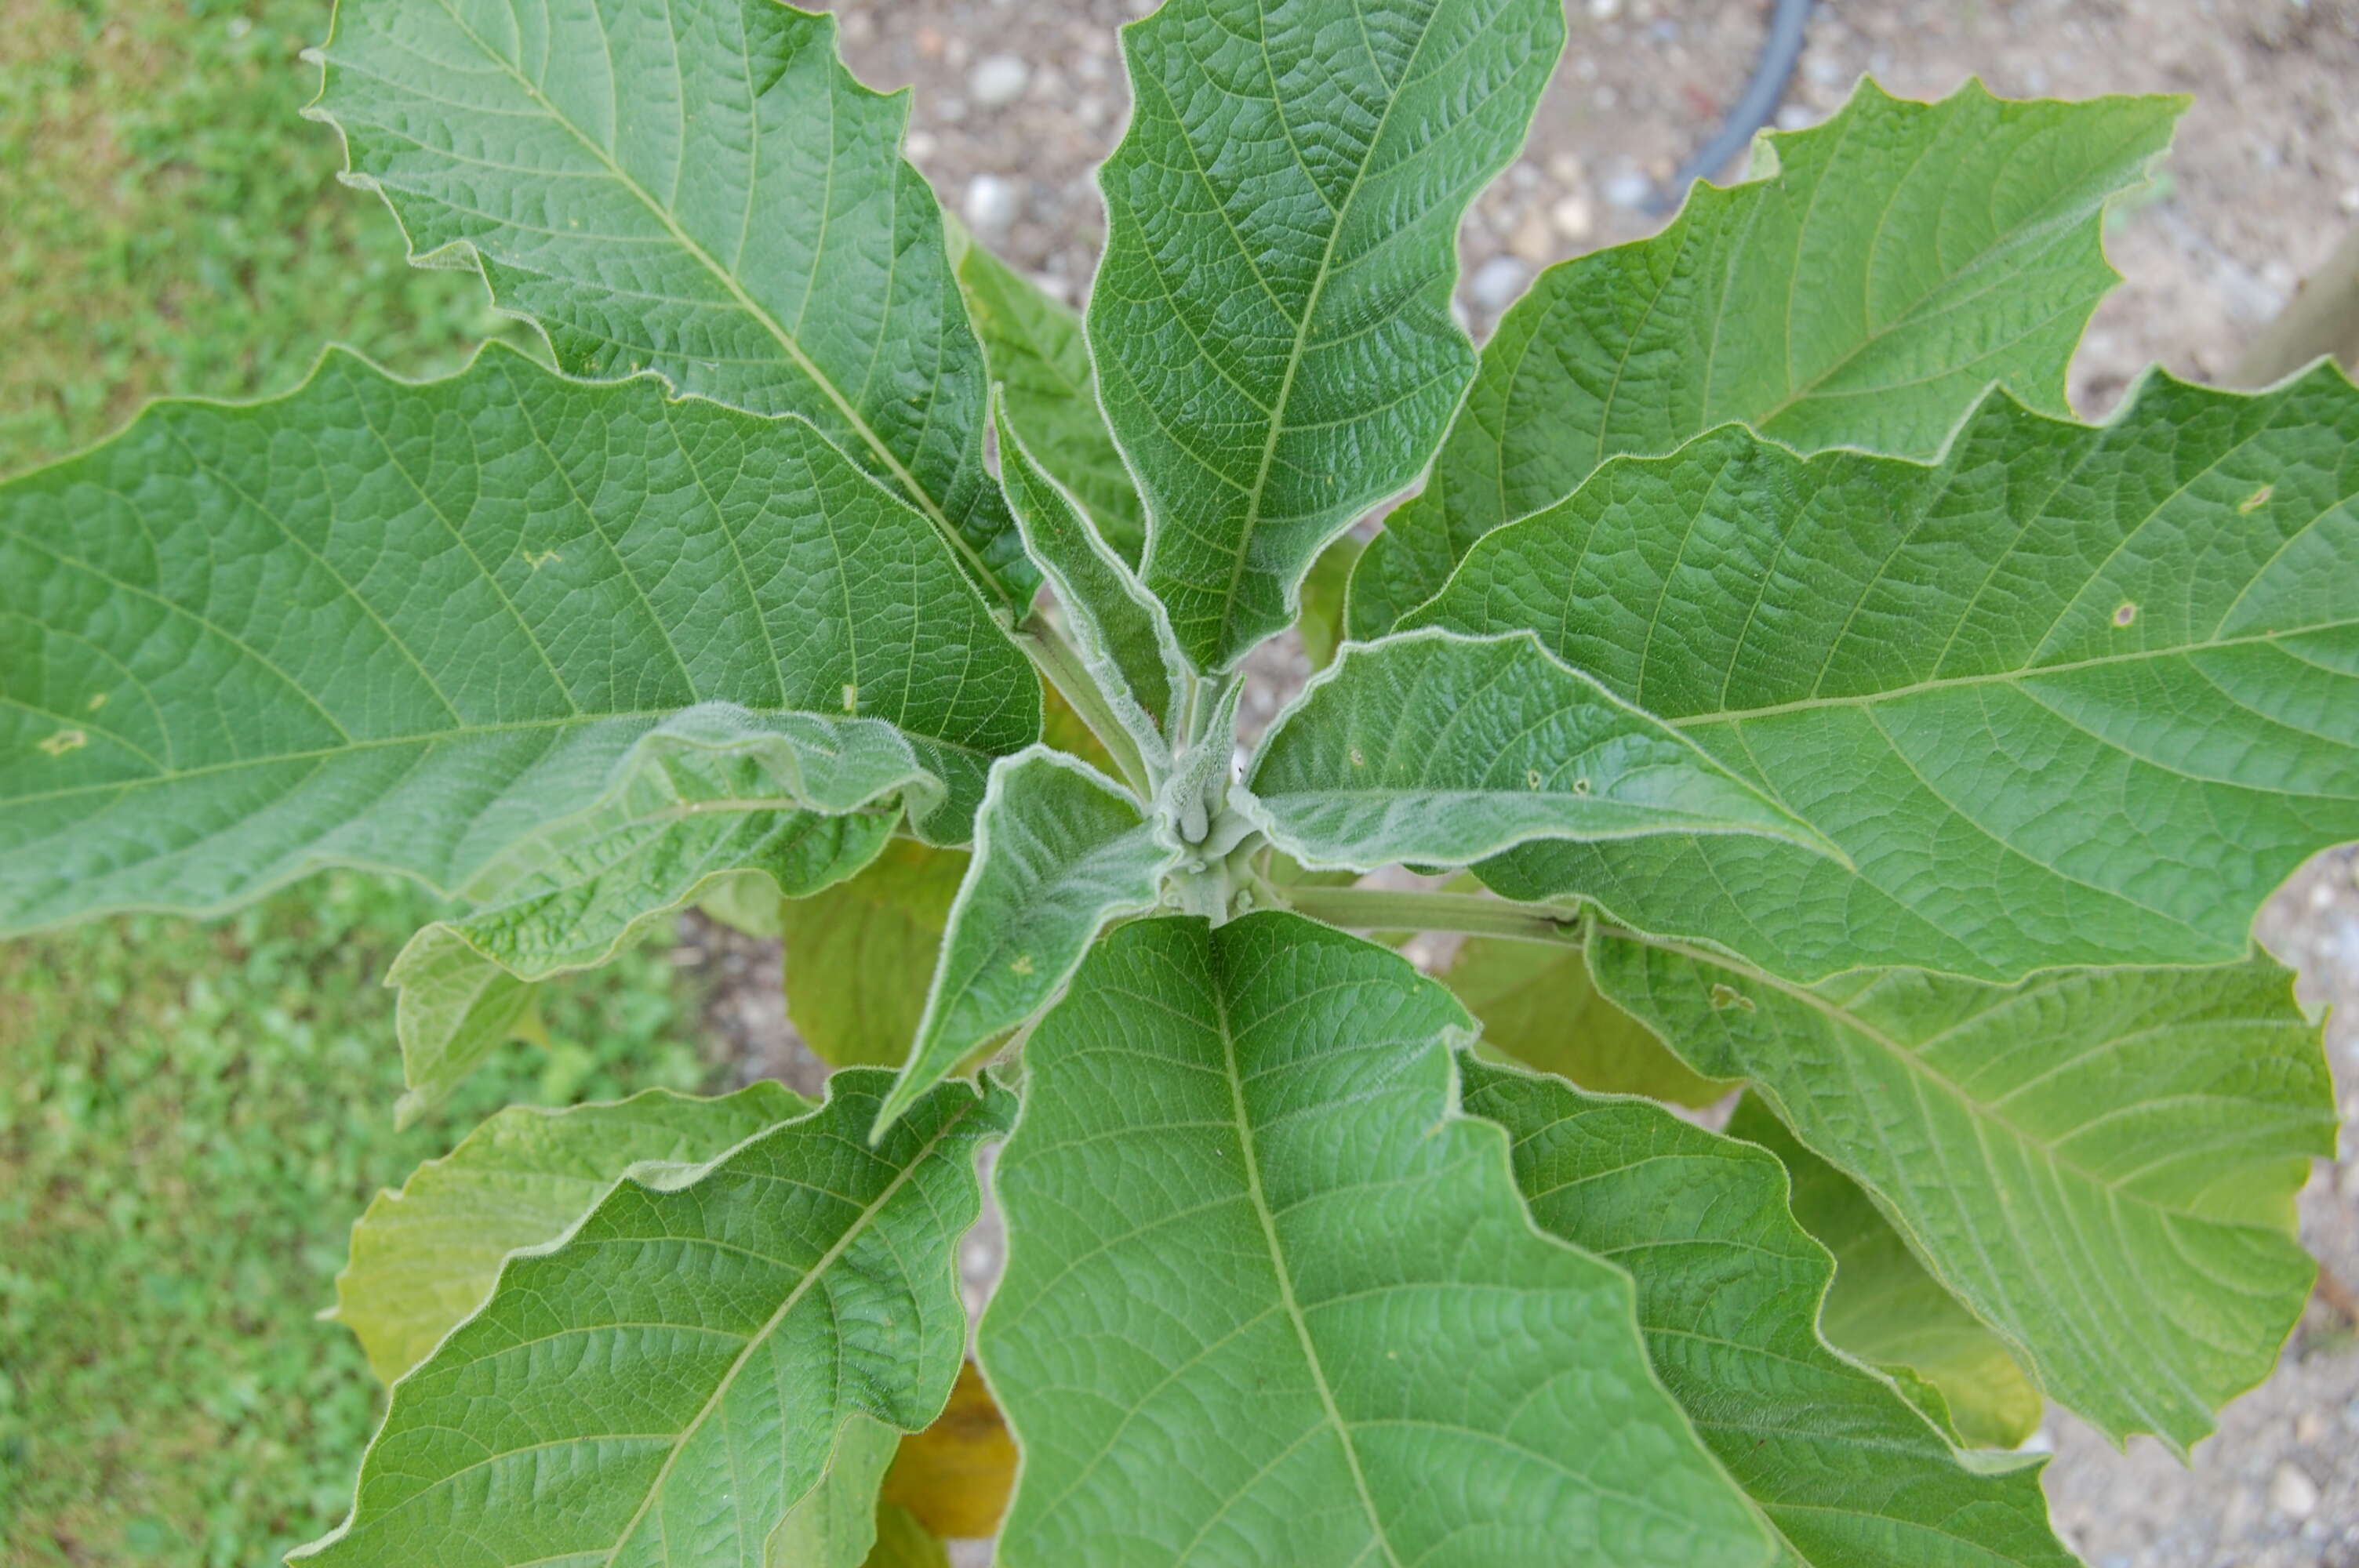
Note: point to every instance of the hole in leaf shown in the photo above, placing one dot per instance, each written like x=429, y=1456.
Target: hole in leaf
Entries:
x=1724, y=997
x=1581, y=786
x=2126, y=615
x=2257, y=499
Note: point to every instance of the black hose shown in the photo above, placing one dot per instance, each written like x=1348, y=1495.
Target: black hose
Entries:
x=1779, y=52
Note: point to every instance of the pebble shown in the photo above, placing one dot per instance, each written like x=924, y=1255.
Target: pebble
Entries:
x=991, y=203
x=998, y=80
x=2292, y=1493
x=1629, y=188
x=1534, y=241
x=1604, y=10
x=2309, y=1428
x=1497, y=282
x=1573, y=218
x=1797, y=117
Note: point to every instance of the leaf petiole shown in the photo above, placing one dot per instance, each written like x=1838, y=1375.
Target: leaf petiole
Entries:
x=1045, y=643
x=1469, y=913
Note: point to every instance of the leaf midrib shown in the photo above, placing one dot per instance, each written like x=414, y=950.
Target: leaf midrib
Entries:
x=906, y=482
x=1233, y=1073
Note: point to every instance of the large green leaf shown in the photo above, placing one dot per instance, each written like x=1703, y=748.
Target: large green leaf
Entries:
x=1041, y=364
x=667, y=1382
x=692, y=186
x=859, y=955
x=2102, y=1163
x=1877, y=274
x=1442, y=749
x=1886, y=1309
x=1271, y=1300
x=1271, y=320
x=837, y=1523
x=574, y=903
x=1538, y=1005
x=2074, y=695
x=416, y=628
x=1729, y=1292
x=1058, y=850
x=425, y=1257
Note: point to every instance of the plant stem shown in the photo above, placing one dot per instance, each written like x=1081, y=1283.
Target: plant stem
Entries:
x=1045, y=643
x=1471, y=914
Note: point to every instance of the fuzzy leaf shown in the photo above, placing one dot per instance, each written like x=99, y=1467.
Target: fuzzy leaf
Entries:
x=1877, y=274
x=1442, y=749
x=1850, y=1473
x=452, y=1010
x=859, y=955
x=2100, y=1163
x=416, y=628
x=425, y=1257
x=2075, y=695
x=836, y=1523
x=1538, y=1006
x=696, y=188
x=1041, y=362
x=1886, y=1309
x=667, y=1381
x=1058, y=850
x=1271, y=1300
x=1271, y=320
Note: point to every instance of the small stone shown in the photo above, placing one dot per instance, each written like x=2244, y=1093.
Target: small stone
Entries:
x=921, y=146
x=1565, y=168
x=1604, y=10
x=2349, y=200
x=1533, y=239
x=1797, y=117
x=991, y=203
x=998, y=80
x=2292, y=1493
x=1497, y=282
x=1573, y=218
x=1629, y=188
x=2309, y=1427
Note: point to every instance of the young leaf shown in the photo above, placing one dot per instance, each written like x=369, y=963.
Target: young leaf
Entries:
x=1865, y=289
x=2074, y=695
x=1042, y=361
x=859, y=957
x=1271, y=1299
x=1058, y=850
x=573, y=903
x=668, y=1381
x=1729, y=1292
x=1271, y=321
x=425, y=1257
x=1537, y=1005
x=696, y=188
x=1441, y=749
x=1119, y=628
x=1886, y=1309
x=412, y=627
x=2083, y=1158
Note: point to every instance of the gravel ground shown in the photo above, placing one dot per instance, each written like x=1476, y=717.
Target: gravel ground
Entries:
x=1018, y=98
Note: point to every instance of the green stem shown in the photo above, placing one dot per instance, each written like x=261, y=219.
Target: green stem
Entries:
x=1470, y=913
x=1045, y=643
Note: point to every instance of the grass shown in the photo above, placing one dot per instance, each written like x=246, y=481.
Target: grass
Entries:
x=191, y=1116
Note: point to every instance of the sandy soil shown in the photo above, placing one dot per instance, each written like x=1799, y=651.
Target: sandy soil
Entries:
x=1018, y=98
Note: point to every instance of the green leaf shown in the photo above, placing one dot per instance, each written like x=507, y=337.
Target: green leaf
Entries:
x=1873, y=278
x=1536, y=1006
x=1042, y=361
x=415, y=628
x=1886, y=1309
x=1322, y=600
x=2100, y=1163
x=1729, y=1292
x=903, y=1543
x=1270, y=1299
x=667, y=1381
x=696, y=188
x=1441, y=749
x=574, y=903
x=1123, y=636
x=1271, y=320
x=859, y=955
x=1058, y=850
x=2075, y=695
x=836, y=1524
x=425, y=1257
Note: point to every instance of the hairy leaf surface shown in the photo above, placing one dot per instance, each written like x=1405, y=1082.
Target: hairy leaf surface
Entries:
x=1058, y=850
x=860, y=955
x=667, y=1382
x=1270, y=1299
x=1877, y=274
x=2102, y=1163
x=1271, y=320
x=416, y=627
x=2074, y=695
x=1442, y=750
x=1729, y=1292
x=425, y=1257
x=1041, y=362
x=696, y=188
x=1886, y=1309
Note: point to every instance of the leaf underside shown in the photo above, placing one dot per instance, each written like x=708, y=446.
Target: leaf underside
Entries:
x=858, y=956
